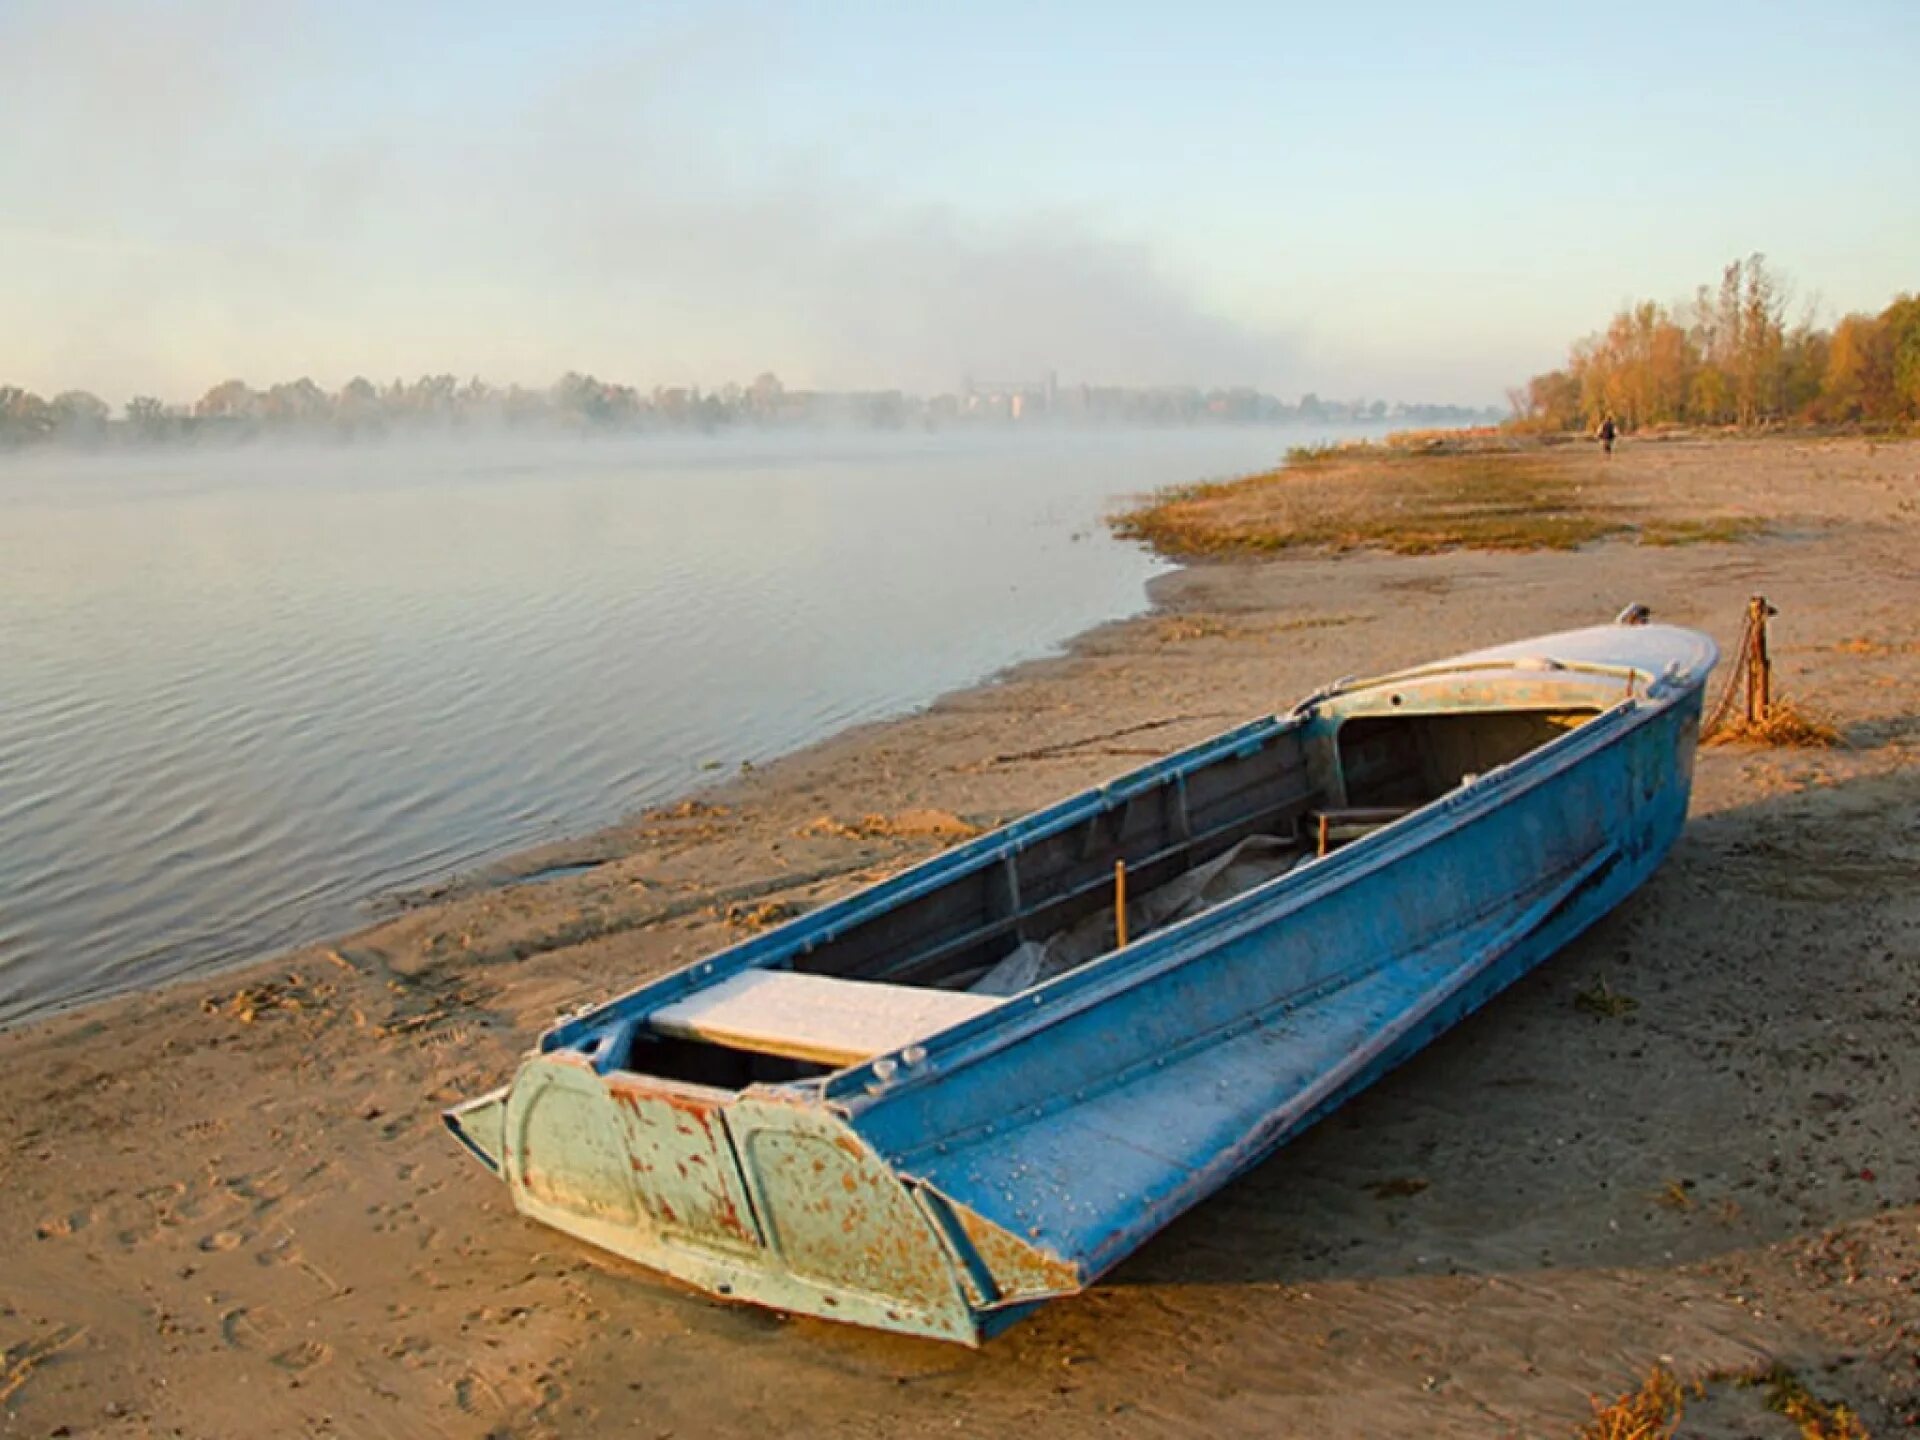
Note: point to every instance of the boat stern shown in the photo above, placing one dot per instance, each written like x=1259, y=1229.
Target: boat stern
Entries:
x=480, y=1125
x=767, y=1195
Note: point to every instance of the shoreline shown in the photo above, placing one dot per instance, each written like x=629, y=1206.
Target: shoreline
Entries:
x=236, y=1183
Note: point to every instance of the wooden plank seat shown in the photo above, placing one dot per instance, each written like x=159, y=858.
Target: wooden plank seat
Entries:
x=815, y=1017
x=1352, y=821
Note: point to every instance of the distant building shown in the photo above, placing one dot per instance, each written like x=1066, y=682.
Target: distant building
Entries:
x=1015, y=401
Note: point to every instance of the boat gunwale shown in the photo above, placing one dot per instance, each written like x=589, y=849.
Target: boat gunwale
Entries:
x=1541, y=665
x=1533, y=655
x=857, y=1086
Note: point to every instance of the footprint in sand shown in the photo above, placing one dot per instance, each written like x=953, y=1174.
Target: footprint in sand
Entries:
x=453, y=1036
x=59, y=1227
x=304, y=1356
x=473, y=1391
x=237, y=1329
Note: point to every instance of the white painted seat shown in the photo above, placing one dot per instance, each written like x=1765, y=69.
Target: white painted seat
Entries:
x=816, y=1017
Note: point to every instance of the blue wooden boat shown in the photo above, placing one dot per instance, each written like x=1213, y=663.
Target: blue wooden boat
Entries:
x=943, y=1100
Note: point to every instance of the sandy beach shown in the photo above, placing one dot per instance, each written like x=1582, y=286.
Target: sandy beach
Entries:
x=230, y=1208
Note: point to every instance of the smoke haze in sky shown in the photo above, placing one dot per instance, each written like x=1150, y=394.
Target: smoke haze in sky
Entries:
x=695, y=192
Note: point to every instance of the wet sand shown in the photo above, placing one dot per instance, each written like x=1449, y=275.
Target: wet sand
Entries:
x=229, y=1207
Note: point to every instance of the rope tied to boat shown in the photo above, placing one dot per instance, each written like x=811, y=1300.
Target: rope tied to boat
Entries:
x=1751, y=665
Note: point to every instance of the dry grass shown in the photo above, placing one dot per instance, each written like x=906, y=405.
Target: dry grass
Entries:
x=1401, y=1187
x=1368, y=499
x=1655, y=1410
x=1705, y=530
x=1866, y=645
x=1450, y=437
x=250, y=1002
x=1787, y=725
x=1603, y=1000
x=1675, y=1195
x=1408, y=501
x=1204, y=626
x=1818, y=1419
x=921, y=824
x=750, y=919
x=1650, y=1413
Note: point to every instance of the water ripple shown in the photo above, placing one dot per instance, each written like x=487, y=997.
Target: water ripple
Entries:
x=242, y=694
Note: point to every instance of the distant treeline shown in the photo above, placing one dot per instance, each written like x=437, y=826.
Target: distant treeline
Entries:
x=235, y=410
x=1731, y=358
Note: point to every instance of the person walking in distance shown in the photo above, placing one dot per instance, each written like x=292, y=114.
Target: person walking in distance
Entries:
x=1607, y=431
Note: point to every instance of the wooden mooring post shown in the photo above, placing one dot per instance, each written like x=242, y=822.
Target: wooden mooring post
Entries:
x=1759, y=664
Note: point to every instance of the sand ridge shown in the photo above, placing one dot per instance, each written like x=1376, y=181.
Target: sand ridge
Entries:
x=229, y=1208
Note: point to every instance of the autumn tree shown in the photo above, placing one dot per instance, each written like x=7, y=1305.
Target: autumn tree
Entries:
x=358, y=404
x=1547, y=402
x=79, y=414
x=1735, y=361
x=1858, y=370
x=1901, y=323
x=1803, y=368
x=296, y=402
x=1638, y=371
x=1758, y=371
x=147, y=416
x=229, y=400
x=23, y=415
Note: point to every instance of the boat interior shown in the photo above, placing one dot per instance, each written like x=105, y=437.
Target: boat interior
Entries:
x=1152, y=857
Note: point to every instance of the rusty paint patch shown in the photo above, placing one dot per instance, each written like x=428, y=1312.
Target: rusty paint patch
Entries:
x=1020, y=1268
x=682, y=1160
x=842, y=1220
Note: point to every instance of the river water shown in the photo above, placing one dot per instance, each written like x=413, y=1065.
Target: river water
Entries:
x=244, y=692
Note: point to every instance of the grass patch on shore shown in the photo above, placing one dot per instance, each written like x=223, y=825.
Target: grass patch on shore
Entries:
x=1603, y=1000
x=1709, y=530
x=1654, y=1411
x=1650, y=1413
x=1787, y=726
x=1369, y=497
x=1200, y=625
x=1817, y=1418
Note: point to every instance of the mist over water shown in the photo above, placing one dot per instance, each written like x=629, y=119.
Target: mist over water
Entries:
x=241, y=693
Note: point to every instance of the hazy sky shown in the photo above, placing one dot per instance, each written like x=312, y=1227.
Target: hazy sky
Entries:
x=1415, y=200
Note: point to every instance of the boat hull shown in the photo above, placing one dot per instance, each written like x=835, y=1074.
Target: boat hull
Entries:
x=946, y=1189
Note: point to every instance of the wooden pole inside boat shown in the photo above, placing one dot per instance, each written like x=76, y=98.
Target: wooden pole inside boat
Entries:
x=1120, y=903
